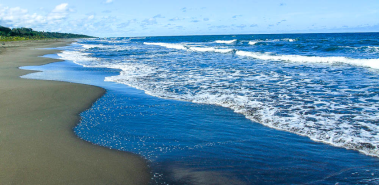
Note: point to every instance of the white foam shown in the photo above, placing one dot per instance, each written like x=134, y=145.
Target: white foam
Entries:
x=190, y=47
x=210, y=49
x=226, y=41
x=77, y=57
x=289, y=40
x=90, y=46
x=252, y=42
x=106, y=47
x=167, y=45
x=373, y=63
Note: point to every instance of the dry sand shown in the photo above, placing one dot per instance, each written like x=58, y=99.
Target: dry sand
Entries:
x=37, y=144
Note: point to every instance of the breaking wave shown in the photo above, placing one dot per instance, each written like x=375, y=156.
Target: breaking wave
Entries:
x=327, y=104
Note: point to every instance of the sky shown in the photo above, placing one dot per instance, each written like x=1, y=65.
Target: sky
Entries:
x=126, y=18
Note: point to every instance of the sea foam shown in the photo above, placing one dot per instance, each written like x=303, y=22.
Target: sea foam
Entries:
x=167, y=45
x=253, y=42
x=78, y=57
x=226, y=41
x=373, y=63
x=191, y=48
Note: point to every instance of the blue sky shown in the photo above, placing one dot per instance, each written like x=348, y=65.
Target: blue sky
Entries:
x=110, y=18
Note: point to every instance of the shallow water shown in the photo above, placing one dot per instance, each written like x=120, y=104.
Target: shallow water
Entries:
x=192, y=143
x=323, y=86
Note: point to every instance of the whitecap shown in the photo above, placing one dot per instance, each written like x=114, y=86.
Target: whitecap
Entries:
x=167, y=45
x=210, y=49
x=373, y=63
x=252, y=42
x=226, y=41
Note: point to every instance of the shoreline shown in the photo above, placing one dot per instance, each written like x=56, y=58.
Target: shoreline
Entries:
x=38, y=145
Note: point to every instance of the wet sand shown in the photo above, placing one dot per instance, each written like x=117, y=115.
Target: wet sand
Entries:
x=37, y=144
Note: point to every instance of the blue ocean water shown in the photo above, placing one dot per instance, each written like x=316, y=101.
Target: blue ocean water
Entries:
x=235, y=109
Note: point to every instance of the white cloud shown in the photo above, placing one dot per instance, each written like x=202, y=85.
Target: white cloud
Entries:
x=150, y=21
x=158, y=16
x=108, y=1
x=59, y=13
x=19, y=17
x=61, y=8
x=175, y=19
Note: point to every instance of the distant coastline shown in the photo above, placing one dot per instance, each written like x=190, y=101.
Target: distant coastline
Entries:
x=16, y=34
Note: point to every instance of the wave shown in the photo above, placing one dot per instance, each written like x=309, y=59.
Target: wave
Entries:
x=137, y=38
x=167, y=45
x=289, y=40
x=281, y=100
x=90, y=46
x=109, y=40
x=373, y=63
x=106, y=47
x=190, y=48
x=226, y=41
x=210, y=49
x=207, y=86
x=253, y=42
x=78, y=57
x=367, y=49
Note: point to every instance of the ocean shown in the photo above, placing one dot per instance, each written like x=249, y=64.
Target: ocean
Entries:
x=234, y=109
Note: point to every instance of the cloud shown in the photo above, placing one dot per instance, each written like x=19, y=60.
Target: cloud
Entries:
x=19, y=17
x=167, y=25
x=108, y=1
x=206, y=19
x=59, y=13
x=158, y=16
x=15, y=16
x=219, y=27
x=61, y=8
x=280, y=22
x=184, y=9
x=175, y=19
x=124, y=24
x=147, y=22
x=242, y=26
x=235, y=16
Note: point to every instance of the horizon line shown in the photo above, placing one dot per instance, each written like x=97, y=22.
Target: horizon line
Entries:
x=241, y=34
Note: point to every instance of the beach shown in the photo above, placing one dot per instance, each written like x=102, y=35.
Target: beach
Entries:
x=37, y=144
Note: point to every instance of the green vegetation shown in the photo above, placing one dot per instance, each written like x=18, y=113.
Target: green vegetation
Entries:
x=15, y=34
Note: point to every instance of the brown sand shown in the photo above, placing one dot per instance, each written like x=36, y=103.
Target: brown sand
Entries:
x=37, y=144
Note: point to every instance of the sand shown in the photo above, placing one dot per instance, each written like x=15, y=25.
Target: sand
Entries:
x=37, y=143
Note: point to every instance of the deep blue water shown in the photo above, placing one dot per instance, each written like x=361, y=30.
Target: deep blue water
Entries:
x=202, y=109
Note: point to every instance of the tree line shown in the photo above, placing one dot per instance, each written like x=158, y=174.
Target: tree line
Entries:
x=29, y=33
